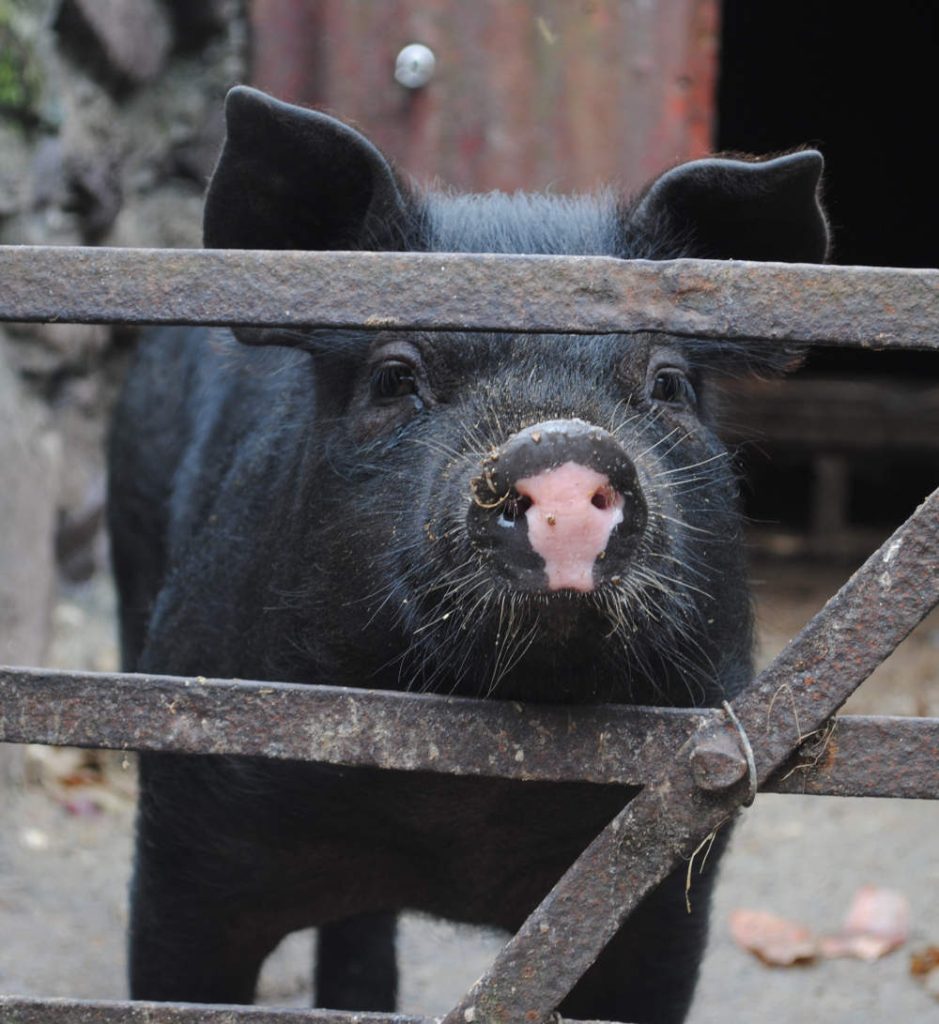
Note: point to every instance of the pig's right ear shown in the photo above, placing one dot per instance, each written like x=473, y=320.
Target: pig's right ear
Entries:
x=291, y=178
x=726, y=208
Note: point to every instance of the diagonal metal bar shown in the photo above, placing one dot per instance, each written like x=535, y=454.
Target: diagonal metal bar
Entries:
x=868, y=306
x=421, y=732
x=804, y=686
x=19, y=1010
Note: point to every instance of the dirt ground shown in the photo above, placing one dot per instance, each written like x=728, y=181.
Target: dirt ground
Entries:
x=66, y=839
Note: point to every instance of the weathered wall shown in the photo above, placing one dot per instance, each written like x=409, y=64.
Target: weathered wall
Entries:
x=110, y=120
x=526, y=94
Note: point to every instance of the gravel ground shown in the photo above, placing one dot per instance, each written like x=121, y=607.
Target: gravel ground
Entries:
x=64, y=865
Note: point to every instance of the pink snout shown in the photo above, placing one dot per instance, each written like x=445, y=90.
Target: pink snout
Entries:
x=573, y=511
x=558, y=507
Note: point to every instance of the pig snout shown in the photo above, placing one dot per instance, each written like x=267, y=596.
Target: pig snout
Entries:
x=557, y=507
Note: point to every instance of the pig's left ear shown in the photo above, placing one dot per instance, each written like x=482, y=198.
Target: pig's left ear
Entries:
x=723, y=208
x=291, y=178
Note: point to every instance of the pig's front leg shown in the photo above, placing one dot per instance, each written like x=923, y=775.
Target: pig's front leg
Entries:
x=356, y=968
x=187, y=945
x=203, y=912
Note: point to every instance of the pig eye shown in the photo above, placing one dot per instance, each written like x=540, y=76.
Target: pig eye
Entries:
x=393, y=380
x=672, y=387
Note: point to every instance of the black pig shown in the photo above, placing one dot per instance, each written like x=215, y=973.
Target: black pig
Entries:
x=525, y=517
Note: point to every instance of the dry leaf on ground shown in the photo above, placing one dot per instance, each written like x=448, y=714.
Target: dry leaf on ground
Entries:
x=924, y=966
x=776, y=941
x=877, y=923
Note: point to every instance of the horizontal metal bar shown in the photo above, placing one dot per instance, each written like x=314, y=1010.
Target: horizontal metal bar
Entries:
x=404, y=731
x=896, y=757
x=867, y=306
x=15, y=1010
x=19, y=1010
x=865, y=756
x=673, y=815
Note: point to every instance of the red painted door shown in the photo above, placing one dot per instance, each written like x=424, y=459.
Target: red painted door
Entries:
x=525, y=93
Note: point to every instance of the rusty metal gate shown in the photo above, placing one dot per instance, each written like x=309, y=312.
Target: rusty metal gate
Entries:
x=697, y=767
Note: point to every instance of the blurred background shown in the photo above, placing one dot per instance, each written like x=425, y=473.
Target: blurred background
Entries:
x=110, y=122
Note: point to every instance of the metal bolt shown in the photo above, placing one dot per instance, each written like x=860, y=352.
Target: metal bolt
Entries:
x=717, y=762
x=415, y=65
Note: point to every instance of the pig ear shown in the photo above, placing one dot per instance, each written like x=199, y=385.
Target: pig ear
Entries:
x=722, y=208
x=291, y=178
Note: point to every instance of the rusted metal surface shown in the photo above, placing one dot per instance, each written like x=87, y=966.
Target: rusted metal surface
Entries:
x=717, y=762
x=866, y=756
x=16, y=1010
x=530, y=94
x=672, y=816
x=863, y=306
x=286, y=39
x=608, y=744
x=374, y=728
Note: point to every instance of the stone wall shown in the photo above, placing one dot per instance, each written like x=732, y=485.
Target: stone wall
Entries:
x=110, y=121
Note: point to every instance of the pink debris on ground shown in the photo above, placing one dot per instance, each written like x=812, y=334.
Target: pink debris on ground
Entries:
x=774, y=940
x=878, y=922
x=573, y=512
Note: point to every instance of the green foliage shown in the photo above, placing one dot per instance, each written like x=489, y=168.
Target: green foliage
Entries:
x=20, y=79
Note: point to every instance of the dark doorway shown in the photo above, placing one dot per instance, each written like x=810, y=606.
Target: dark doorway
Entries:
x=859, y=83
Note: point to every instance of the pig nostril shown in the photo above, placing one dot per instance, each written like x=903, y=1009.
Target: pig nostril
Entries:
x=602, y=498
x=516, y=505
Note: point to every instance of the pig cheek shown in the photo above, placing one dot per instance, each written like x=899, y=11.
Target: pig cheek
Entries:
x=371, y=422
